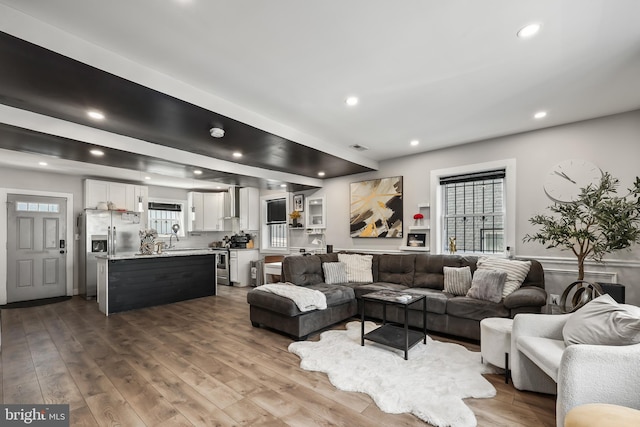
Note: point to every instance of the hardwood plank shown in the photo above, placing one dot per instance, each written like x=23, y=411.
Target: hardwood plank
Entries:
x=197, y=363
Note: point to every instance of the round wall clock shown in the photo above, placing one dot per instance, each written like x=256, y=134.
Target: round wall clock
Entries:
x=566, y=179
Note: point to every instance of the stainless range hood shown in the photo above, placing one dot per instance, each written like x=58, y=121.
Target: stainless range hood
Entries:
x=232, y=203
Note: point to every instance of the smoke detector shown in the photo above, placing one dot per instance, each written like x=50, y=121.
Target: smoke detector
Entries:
x=359, y=147
x=216, y=132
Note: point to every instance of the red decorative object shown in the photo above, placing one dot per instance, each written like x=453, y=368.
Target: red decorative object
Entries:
x=418, y=216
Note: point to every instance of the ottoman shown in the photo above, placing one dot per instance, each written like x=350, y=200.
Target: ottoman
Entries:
x=495, y=342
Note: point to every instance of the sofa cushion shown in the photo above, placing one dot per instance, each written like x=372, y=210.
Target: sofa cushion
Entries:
x=516, y=271
x=429, y=269
x=436, y=300
x=302, y=270
x=546, y=353
x=457, y=280
x=603, y=321
x=475, y=309
x=334, y=272
x=396, y=269
x=487, y=285
x=359, y=267
x=335, y=294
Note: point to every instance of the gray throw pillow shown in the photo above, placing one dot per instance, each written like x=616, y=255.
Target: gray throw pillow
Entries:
x=487, y=285
x=334, y=272
x=603, y=321
x=457, y=281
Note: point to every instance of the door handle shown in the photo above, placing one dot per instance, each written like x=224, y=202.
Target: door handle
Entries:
x=62, y=251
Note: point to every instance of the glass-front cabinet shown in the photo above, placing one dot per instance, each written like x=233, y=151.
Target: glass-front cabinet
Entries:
x=316, y=212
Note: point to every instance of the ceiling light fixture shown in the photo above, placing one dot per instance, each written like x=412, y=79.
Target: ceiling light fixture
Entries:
x=351, y=101
x=529, y=31
x=43, y=163
x=540, y=114
x=97, y=115
x=237, y=154
x=96, y=152
x=321, y=173
x=147, y=178
x=283, y=185
x=414, y=142
x=216, y=132
x=197, y=172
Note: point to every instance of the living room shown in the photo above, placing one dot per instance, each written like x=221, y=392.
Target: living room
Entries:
x=263, y=383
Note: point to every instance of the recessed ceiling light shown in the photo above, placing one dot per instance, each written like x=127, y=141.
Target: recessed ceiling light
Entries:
x=414, y=142
x=218, y=187
x=237, y=154
x=321, y=173
x=283, y=185
x=43, y=163
x=351, y=101
x=147, y=177
x=529, y=31
x=96, y=152
x=197, y=172
x=540, y=114
x=97, y=115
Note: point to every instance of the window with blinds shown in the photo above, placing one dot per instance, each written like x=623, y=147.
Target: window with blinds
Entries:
x=277, y=227
x=163, y=215
x=474, y=211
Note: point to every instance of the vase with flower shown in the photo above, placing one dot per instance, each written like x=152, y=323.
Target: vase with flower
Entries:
x=418, y=218
x=295, y=215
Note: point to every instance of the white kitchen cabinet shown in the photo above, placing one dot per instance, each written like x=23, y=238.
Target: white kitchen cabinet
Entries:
x=123, y=196
x=249, y=209
x=316, y=212
x=240, y=265
x=207, y=211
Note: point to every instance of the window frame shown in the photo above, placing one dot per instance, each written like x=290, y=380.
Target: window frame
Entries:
x=183, y=218
x=265, y=243
x=509, y=203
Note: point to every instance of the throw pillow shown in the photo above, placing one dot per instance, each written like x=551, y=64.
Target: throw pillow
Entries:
x=487, y=285
x=334, y=272
x=457, y=281
x=602, y=321
x=359, y=267
x=516, y=271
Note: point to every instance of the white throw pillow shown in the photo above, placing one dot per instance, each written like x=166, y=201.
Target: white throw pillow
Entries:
x=359, y=267
x=603, y=321
x=334, y=272
x=516, y=271
x=457, y=281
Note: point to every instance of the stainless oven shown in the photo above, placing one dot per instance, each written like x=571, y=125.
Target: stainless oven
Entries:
x=222, y=267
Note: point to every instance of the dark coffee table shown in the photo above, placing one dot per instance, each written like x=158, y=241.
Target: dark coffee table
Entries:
x=390, y=334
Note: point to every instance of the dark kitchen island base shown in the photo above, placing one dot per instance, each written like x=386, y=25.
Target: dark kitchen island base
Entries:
x=128, y=283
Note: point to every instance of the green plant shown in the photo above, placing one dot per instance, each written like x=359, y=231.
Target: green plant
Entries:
x=597, y=223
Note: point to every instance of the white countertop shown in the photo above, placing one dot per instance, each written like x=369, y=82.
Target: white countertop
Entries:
x=164, y=254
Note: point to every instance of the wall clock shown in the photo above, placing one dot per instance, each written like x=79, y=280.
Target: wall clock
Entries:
x=565, y=180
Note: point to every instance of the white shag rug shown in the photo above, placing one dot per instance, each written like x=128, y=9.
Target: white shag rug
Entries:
x=430, y=385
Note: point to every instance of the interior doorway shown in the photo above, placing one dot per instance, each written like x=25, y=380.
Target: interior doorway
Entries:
x=36, y=247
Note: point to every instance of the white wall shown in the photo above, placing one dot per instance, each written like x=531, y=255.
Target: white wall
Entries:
x=612, y=143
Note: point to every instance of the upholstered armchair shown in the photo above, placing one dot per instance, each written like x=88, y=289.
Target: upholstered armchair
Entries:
x=578, y=373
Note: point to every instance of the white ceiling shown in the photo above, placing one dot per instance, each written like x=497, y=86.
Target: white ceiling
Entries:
x=444, y=73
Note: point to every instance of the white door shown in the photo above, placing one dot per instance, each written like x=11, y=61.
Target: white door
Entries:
x=36, y=247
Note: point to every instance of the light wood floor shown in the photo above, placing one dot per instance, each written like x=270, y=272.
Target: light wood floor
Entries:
x=198, y=362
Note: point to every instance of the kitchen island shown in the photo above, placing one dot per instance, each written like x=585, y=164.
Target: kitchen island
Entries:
x=127, y=282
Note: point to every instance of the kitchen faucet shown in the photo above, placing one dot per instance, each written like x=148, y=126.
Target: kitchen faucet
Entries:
x=174, y=228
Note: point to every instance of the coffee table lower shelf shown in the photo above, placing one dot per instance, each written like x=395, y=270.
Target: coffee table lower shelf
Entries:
x=394, y=336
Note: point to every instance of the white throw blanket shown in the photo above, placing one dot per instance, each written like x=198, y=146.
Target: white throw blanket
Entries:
x=306, y=299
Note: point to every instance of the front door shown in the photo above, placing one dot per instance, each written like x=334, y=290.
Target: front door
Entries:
x=36, y=247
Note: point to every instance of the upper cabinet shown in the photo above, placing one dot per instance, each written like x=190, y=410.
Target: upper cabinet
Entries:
x=206, y=211
x=249, y=209
x=123, y=196
x=316, y=212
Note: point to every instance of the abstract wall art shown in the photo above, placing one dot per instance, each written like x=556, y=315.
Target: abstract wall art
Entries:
x=376, y=208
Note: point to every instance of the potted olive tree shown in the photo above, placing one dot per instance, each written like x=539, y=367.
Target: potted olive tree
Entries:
x=597, y=223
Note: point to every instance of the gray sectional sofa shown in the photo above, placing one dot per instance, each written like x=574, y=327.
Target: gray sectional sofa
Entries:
x=424, y=274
